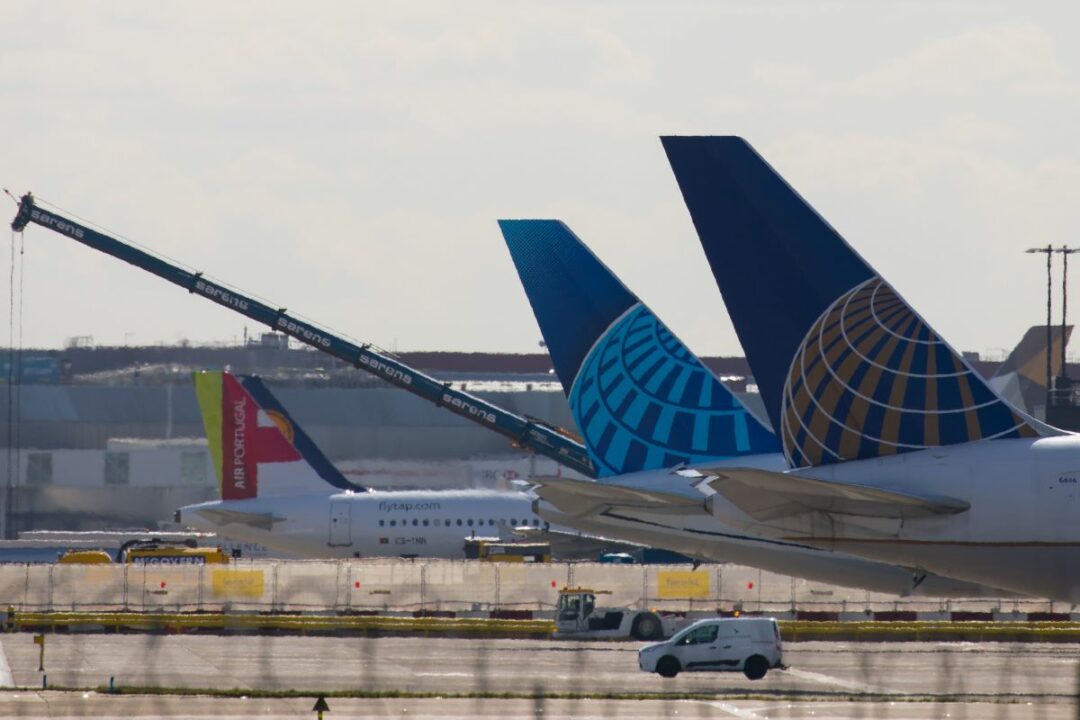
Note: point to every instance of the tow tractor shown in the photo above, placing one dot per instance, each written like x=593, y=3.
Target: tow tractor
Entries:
x=577, y=616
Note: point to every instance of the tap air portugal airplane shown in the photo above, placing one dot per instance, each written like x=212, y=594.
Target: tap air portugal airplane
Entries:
x=279, y=490
x=649, y=412
x=899, y=451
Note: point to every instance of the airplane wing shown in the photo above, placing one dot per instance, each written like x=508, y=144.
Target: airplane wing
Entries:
x=575, y=546
x=260, y=521
x=765, y=495
x=581, y=498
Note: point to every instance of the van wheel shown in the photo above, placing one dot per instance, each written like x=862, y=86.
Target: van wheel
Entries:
x=756, y=667
x=668, y=667
x=646, y=627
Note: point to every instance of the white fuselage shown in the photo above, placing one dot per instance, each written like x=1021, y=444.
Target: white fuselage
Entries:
x=432, y=524
x=1021, y=533
x=710, y=538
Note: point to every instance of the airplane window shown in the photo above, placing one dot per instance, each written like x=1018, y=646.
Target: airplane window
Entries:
x=514, y=522
x=459, y=522
x=536, y=522
x=414, y=522
x=425, y=523
x=469, y=523
x=393, y=523
x=490, y=521
x=381, y=523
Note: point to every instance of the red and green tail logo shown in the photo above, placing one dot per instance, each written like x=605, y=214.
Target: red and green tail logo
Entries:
x=241, y=434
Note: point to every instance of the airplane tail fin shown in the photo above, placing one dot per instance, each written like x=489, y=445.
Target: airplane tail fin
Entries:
x=1021, y=379
x=256, y=447
x=641, y=399
x=847, y=369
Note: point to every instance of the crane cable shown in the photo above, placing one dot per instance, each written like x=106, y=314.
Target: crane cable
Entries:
x=14, y=380
x=19, y=374
x=9, y=489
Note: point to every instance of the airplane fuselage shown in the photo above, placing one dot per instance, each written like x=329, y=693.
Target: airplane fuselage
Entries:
x=1021, y=532
x=431, y=524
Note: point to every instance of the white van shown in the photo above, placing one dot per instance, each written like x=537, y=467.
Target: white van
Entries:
x=724, y=644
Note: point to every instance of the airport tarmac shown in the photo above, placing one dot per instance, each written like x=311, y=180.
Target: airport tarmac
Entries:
x=913, y=674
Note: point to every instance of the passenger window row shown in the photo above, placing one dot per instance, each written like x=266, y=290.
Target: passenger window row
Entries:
x=461, y=523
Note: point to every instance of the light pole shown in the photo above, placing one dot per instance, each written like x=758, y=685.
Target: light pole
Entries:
x=1049, y=252
x=1065, y=253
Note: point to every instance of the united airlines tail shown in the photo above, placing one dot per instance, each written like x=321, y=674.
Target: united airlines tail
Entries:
x=846, y=368
x=641, y=399
x=256, y=446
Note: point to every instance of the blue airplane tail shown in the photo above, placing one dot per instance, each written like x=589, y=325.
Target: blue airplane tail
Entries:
x=641, y=399
x=846, y=368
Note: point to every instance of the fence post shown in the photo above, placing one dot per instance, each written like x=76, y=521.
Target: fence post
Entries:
x=337, y=582
x=423, y=586
x=125, y=592
x=644, y=601
x=348, y=585
x=199, y=590
x=717, y=592
x=498, y=588
x=274, y=600
x=49, y=596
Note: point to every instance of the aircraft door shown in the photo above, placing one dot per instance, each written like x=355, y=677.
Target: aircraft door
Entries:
x=340, y=526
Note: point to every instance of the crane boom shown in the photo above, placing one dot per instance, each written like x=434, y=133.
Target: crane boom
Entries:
x=522, y=431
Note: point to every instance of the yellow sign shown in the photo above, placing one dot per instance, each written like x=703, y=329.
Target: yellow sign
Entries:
x=682, y=584
x=237, y=583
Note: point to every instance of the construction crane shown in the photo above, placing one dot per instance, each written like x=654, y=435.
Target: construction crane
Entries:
x=524, y=432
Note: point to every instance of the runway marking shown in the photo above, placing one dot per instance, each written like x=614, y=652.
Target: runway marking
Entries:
x=838, y=682
x=5, y=670
x=736, y=711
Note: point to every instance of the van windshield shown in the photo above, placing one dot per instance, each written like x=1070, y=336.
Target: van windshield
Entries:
x=700, y=636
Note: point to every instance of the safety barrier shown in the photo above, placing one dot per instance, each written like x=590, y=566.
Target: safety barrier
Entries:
x=433, y=587
x=493, y=626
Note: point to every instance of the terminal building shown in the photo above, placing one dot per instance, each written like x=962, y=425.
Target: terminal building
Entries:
x=111, y=437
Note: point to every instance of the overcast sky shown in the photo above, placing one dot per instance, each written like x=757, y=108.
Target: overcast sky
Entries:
x=349, y=160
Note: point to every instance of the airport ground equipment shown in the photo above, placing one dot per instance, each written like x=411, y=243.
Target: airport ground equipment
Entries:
x=85, y=557
x=496, y=550
x=577, y=616
x=149, y=552
x=526, y=432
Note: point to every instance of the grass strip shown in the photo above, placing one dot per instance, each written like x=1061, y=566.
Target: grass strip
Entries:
x=735, y=694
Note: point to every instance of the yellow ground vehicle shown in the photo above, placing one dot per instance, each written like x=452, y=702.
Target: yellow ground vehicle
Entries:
x=85, y=557
x=149, y=552
x=494, y=550
x=172, y=555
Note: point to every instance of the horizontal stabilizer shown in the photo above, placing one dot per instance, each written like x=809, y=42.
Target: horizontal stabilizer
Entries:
x=765, y=496
x=581, y=498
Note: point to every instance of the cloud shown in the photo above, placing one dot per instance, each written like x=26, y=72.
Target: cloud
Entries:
x=1018, y=58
